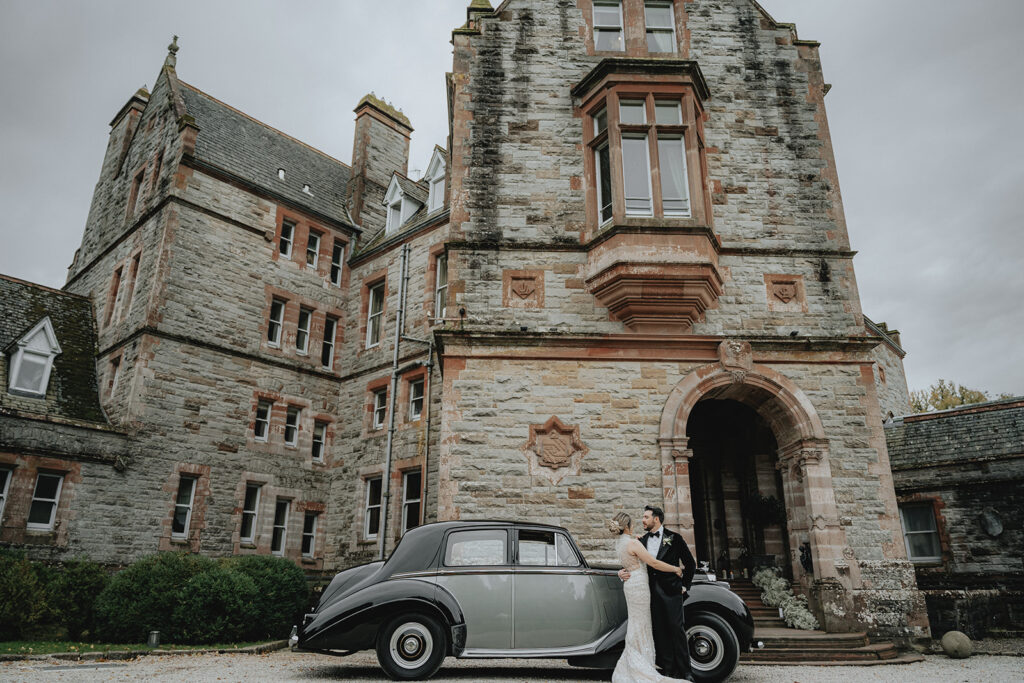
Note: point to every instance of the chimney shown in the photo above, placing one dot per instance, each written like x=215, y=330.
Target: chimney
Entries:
x=380, y=147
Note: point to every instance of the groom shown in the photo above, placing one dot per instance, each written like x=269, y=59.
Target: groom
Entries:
x=670, y=643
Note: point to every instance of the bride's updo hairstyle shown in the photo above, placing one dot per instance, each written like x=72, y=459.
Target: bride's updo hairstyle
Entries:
x=619, y=523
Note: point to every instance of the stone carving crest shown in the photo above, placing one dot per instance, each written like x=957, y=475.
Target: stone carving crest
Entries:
x=555, y=445
x=849, y=554
x=784, y=291
x=736, y=358
x=523, y=287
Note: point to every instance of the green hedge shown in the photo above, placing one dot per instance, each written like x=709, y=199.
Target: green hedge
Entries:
x=23, y=596
x=283, y=594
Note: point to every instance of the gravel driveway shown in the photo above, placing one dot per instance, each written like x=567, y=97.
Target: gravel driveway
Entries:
x=288, y=666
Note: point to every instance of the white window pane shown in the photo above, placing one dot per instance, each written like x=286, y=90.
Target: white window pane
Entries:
x=632, y=112
x=609, y=41
x=923, y=545
x=659, y=15
x=600, y=121
x=636, y=172
x=660, y=41
x=185, y=491
x=31, y=372
x=607, y=14
x=668, y=113
x=673, y=176
x=41, y=512
x=918, y=518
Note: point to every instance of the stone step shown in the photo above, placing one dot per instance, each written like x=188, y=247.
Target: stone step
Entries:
x=873, y=652
x=814, y=642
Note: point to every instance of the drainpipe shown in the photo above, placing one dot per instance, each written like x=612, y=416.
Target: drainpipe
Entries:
x=385, y=488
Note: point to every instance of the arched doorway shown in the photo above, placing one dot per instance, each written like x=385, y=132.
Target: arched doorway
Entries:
x=739, y=515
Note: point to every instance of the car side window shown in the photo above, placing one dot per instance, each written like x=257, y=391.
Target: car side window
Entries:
x=545, y=549
x=483, y=548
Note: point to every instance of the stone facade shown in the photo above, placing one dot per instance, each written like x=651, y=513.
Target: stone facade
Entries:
x=575, y=335
x=958, y=476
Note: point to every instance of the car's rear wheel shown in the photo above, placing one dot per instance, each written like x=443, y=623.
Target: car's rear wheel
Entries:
x=714, y=647
x=411, y=647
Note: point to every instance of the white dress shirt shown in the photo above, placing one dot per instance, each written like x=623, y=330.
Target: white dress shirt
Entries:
x=654, y=541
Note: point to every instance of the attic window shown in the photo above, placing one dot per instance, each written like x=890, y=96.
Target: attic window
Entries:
x=280, y=174
x=305, y=188
x=32, y=360
x=435, y=180
x=400, y=207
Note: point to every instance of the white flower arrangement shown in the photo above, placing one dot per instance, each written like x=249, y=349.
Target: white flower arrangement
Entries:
x=775, y=592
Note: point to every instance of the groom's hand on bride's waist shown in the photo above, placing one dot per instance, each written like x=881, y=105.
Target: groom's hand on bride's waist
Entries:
x=624, y=575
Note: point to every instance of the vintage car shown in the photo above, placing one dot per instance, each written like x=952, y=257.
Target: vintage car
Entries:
x=481, y=589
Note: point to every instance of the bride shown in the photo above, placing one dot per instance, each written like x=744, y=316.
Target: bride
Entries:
x=636, y=665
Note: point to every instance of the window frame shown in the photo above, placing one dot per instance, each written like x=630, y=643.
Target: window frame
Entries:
x=407, y=501
x=274, y=340
x=260, y=403
x=441, y=288
x=394, y=215
x=309, y=534
x=28, y=346
x=253, y=514
x=377, y=317
x=328, y=343
x=293, y=425
x=337, y=262
x=313, y=237
x=621, y=27
x=934, y=531
x=189, y=507
x=508, y=541
x=55, y=502
x=282, y=527
x=380, y=405
x=368, y=507
x=302, y=332
x=5, y=488
x=321, y=427
x=648, y=30
x=420, y=382
x=289, y=240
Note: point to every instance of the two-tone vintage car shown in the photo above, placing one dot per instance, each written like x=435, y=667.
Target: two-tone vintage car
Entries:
x=481, y=589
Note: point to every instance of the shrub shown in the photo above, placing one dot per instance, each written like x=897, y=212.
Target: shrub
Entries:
x=73, y=591
x=283, y=594
x=775, y=592
x=143, y=597
x=23, y=603
x=215, y=606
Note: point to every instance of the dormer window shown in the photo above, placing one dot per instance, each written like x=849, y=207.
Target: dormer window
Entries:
x=280, y=174
x=401, y=205
x=435, y=180
x=394, y=216
x=31, y=360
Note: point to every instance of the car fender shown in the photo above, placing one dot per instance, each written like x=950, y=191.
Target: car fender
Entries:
x=351, y=623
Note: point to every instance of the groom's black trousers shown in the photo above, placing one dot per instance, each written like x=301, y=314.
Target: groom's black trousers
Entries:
x=671, y=648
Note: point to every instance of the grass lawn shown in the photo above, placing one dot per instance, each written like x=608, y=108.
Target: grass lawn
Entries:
x=46, y=647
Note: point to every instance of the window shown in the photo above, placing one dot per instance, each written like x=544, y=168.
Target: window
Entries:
x=44, y=501
x=275, y=322
x=278, y=537
x=156, y=171
x=920, y=533
x=380, y=408
x=313, y=249
x=486, y=547
x=133, y=197
x=302, y=333
x=608, y=26
x=545, y=549
x=261, y=428
x=661, y=27
x=115, y=371
x=291, y=426
x=183, y=508
x=280, y=174
x=651, y=136
x=250, y=512
x=412, y=487
x=133, y=276
x=319, y=432
x=337, y=258
x=287, y=234
x=375, y=316
x=441, y=287
x=115, y=286
x=327, y=350
x=5, y=483
x=436, y=193
x=309, y=534
x=415, y=399
x=394, y=216
x=31, y=362
x=371, y=517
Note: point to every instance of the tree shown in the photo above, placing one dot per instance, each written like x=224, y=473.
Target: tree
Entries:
x=943, y=395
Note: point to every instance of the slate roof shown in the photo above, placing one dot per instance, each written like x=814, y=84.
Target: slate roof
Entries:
x=73, y=391
x=251, y=150
x=982, y=430
x=418, y=191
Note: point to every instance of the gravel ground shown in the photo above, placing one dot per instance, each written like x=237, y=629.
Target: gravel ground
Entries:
x=288, y=666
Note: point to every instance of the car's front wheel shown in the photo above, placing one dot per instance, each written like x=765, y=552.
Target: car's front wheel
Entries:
x=411, y=647
x=714, y=647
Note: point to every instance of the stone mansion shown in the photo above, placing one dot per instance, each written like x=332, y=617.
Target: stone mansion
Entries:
x=625, y=278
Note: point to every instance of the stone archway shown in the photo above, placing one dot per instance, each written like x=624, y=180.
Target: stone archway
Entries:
x=803, y=456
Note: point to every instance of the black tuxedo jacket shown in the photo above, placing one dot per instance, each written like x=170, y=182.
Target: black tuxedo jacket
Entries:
x=673, y=551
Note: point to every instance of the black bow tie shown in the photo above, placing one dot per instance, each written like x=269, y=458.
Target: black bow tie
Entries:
x=656, y=534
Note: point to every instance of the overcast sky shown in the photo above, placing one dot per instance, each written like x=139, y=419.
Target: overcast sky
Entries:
x=926, y=114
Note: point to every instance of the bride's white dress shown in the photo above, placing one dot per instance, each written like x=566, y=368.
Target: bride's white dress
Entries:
x=636, y=665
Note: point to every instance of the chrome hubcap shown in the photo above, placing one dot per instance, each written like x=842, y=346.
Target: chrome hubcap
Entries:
x=411, y=645
x=706, y=648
